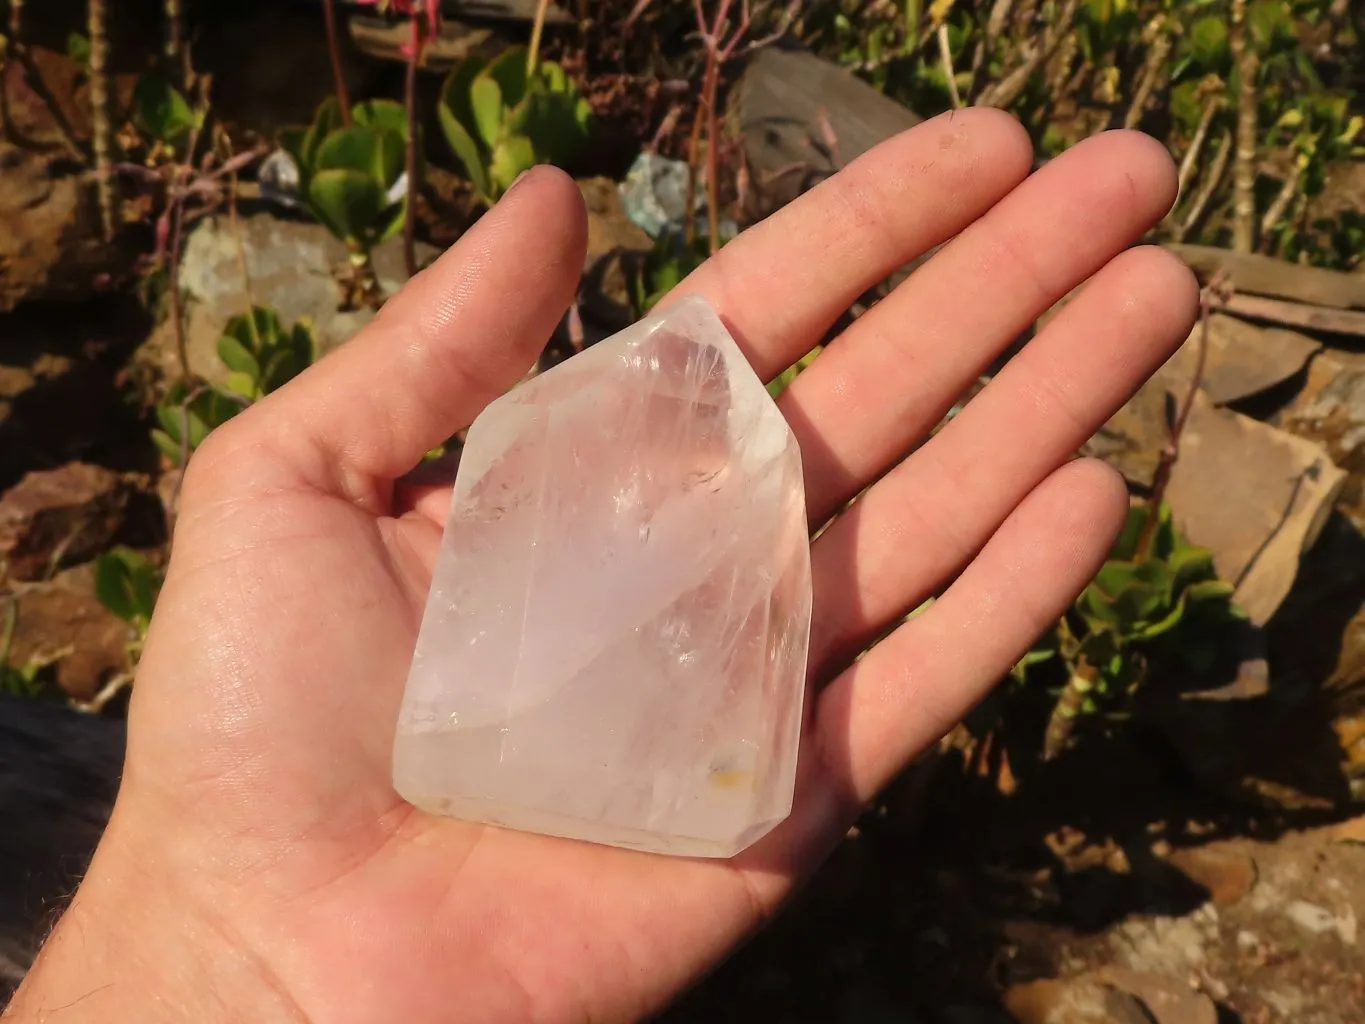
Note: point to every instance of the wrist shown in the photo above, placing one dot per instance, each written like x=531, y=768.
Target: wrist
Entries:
x=140, y=943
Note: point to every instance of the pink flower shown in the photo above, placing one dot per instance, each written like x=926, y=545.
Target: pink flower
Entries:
x=410, y=9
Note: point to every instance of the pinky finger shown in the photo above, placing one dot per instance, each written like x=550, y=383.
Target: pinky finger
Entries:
x=913, y=686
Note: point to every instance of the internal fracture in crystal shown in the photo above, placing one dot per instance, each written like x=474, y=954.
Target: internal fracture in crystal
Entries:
x=614, y=645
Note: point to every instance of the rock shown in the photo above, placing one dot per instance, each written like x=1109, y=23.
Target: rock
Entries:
x=1258, y=497
x=1352, y=831
x=291, y=265
x=616, y=245
x=63, y=620
x=1242, y=359
x=801, y=118
x=1227, y=874
x=58, y=517
x=1164, y=999
x=1073, y=1001
x=1133, y=438
x=655, y=608
x=50, y=245
x=1311, y=917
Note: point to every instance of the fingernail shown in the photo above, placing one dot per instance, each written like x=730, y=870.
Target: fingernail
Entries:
x=519, y=179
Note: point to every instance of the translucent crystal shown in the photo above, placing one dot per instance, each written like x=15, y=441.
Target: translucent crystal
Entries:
x=614, y=645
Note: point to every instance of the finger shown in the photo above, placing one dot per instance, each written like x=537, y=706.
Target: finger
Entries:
x=894, y=373
x=918, y=525
x=780, y=285
x=458, y=335
x=913, y=686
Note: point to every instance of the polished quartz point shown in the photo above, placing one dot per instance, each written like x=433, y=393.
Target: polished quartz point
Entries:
x=614, y=645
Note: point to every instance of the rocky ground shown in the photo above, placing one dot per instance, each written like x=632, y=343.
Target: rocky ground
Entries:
x=1206, y=866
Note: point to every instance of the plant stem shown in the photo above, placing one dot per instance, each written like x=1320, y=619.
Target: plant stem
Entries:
x=1276, y=210
x=102, y=134
x=1190, y=160
x=175, y=38
x=712, y=152
x=1217, y=168
x=1171, y=453
x=334, y=49
x=537, y=28
x=1061, y=724
x=945, y=54
x=693, y=158
x=410, y=106
x=1246, y=66
x=182, y=352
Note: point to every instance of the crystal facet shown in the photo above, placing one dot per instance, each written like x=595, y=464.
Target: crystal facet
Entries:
x=614, y=645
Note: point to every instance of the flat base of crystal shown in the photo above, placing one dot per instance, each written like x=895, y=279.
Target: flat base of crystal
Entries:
x=547, y=823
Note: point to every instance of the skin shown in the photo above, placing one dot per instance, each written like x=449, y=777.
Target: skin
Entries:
x=259, y=866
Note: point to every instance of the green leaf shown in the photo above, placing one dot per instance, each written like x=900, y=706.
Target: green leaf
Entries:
x=1269, y=21
x=167, y=445
x=348, y=203
x=465, y=148
x=485, y=98
x=508, y=70
x=237, y=358
x=1209, y=41
x=127, y=584
x=78, y=49
x=326, y=120
x=511, y=157
x=161, y=111
x=244, y=384
x=384, y=115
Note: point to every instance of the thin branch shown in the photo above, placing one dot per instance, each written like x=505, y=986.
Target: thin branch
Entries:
x=334, y=50
x=1246, y=64
x=945, y=54
x=415, y=41
x=102, y=133
x=1036, y=52
x=1212, y=293
x=1217, y=168
x=1153, y=67
x=1276, y=210
x=537, y=28
x=1190, y=160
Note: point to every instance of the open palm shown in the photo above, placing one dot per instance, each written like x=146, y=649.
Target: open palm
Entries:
x=257, y=794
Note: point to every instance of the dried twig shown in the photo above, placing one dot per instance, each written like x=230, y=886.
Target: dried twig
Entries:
x=1153, y=67
x=1190, y=160
x=1246, y=63
x=175, y=38
x=1217, y=168
x=101, y=131
x=1036, y=51
x=945, y=54
x=537, y=28
x=1279, y=205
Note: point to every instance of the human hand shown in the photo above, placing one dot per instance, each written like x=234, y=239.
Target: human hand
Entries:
x=259, y=864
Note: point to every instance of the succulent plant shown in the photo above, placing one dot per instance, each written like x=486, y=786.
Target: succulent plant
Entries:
x=502, y=118
x=262, y=355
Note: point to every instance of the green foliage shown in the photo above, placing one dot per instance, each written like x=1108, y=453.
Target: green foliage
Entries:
x=187, y=415
x=262, y=355
x=78, y=49
x=1164, y=606
x=500, y=121
x=127, y=583
x=162, y=113
x=24, y=680
x=783, y=380
x=349, y=176
x=664, y=267
x=1176, y=54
